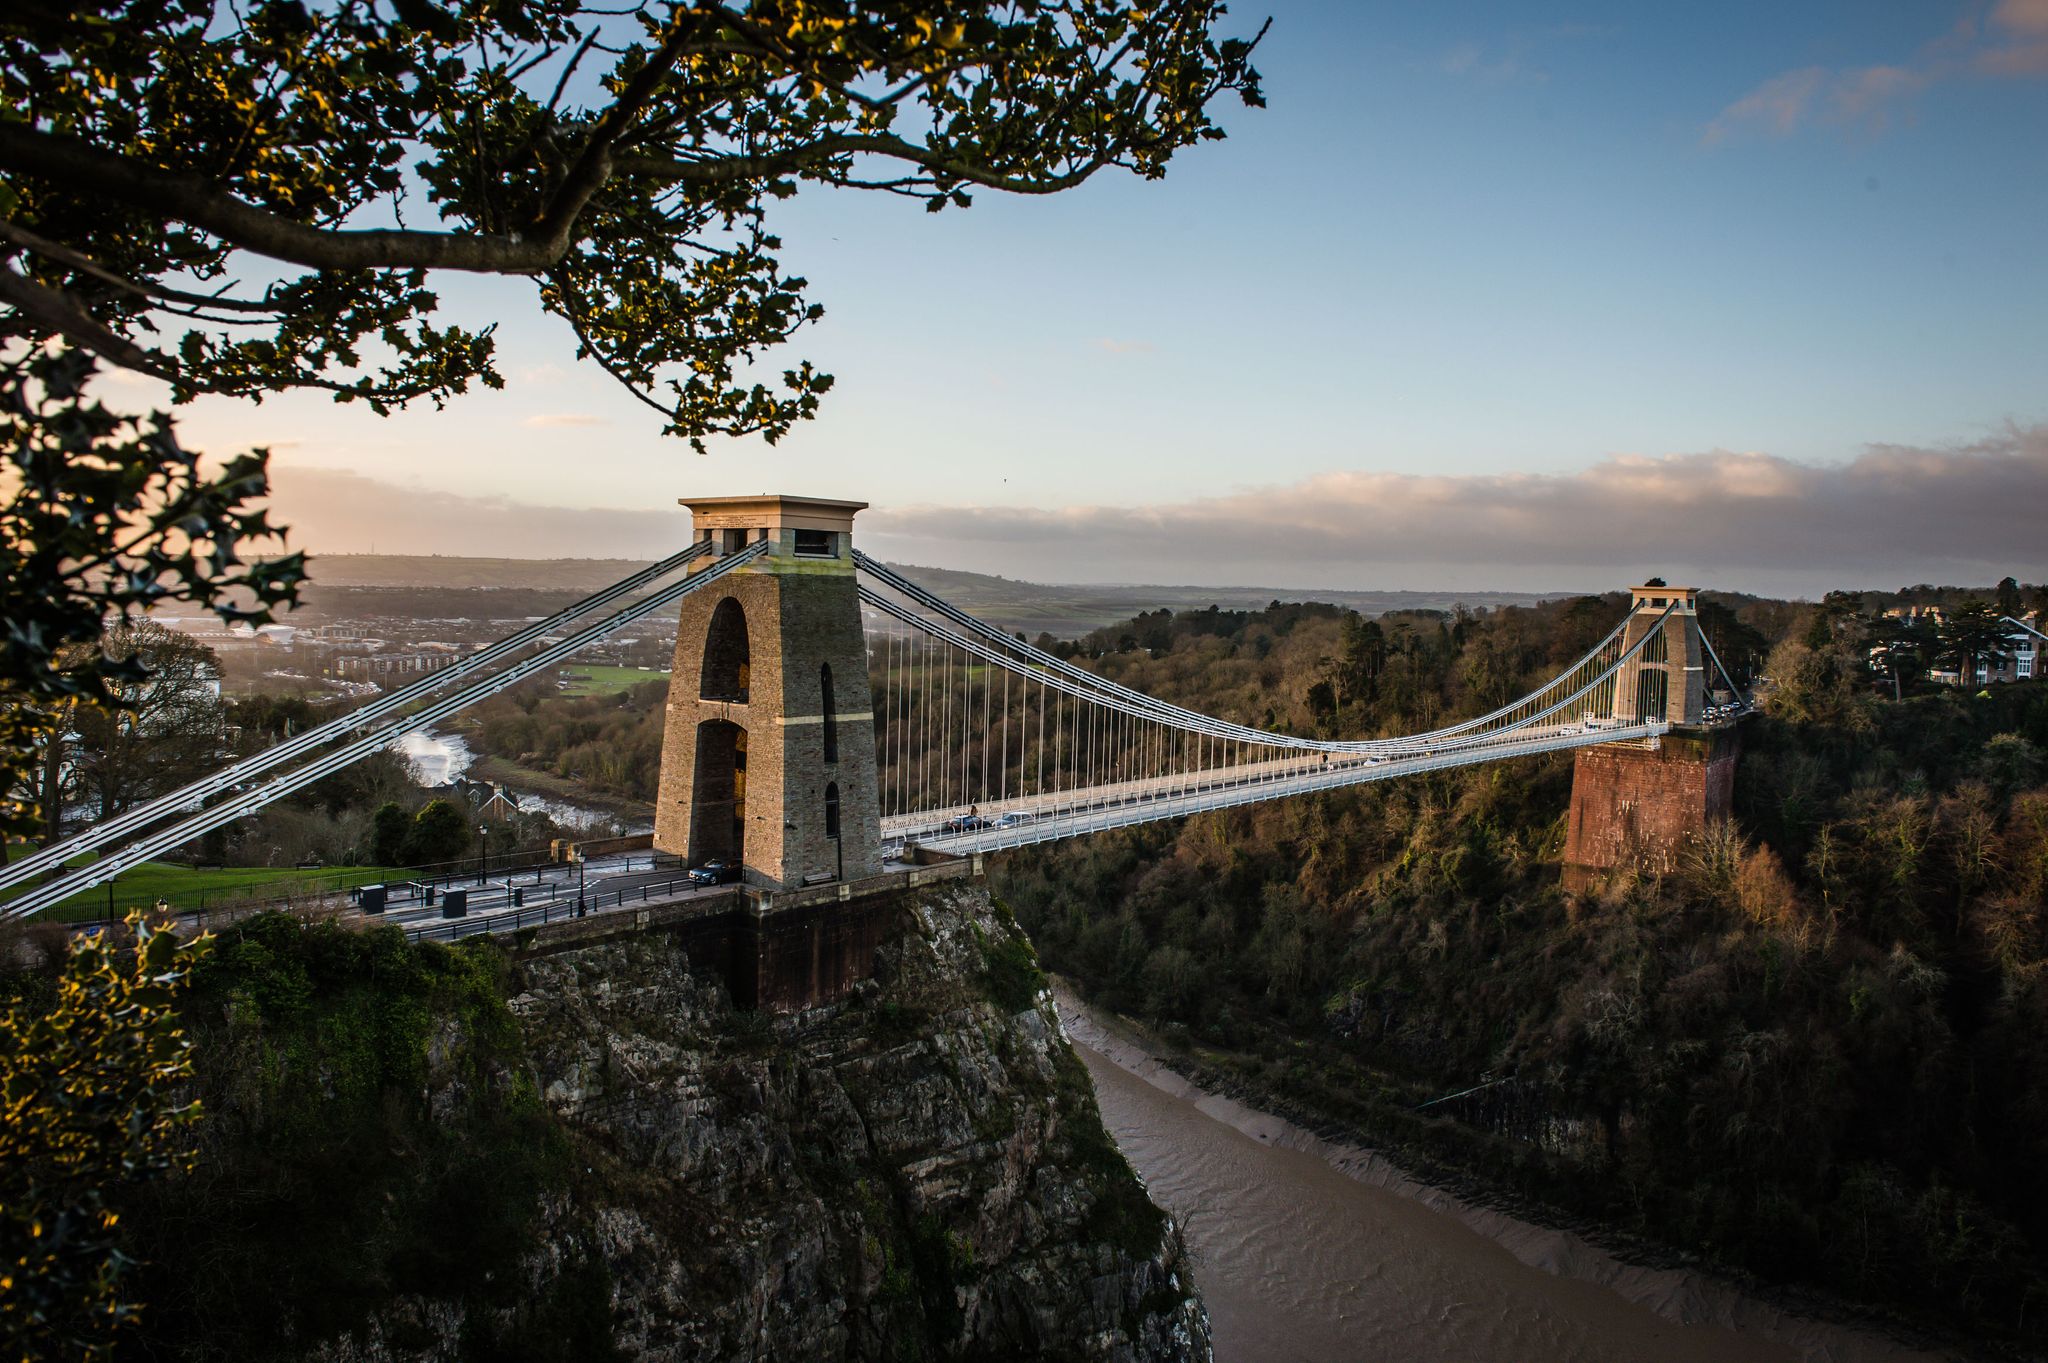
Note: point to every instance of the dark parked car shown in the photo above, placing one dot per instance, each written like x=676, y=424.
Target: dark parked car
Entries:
x=716, y=871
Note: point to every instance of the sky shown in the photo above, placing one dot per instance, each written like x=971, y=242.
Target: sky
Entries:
x=1490, y=296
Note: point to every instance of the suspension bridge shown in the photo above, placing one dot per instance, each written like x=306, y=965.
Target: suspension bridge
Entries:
x=829, y=719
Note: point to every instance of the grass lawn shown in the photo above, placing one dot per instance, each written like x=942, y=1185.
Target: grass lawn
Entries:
x=186, y=888
x=605, y=681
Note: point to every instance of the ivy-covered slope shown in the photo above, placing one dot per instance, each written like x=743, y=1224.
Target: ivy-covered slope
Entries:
x=418, y=1152
x=1814, y=1052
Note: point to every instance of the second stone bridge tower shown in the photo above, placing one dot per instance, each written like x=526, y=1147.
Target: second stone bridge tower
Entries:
x=1640, y=806
x=769, y=755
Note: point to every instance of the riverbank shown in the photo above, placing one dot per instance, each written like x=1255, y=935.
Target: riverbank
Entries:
x=561, y=796
x=1313, y=1246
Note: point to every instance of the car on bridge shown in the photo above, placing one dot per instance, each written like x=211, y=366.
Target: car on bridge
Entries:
x=966, y=823
x=716, y=871
x=1016, y=818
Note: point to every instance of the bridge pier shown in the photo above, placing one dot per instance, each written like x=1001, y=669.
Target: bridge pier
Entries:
x=1640, y=806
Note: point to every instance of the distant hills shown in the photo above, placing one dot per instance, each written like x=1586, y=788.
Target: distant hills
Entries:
x=1075, y=608
x=436, y=570
x=1061, y=609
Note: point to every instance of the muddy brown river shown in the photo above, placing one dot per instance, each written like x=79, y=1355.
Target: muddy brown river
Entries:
x=1310, y=1253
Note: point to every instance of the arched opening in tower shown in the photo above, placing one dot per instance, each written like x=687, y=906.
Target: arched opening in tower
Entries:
x=1652, y=693
x=718, y=796
x=727, y=656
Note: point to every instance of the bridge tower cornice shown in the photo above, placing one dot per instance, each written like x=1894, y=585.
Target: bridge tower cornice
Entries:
x=806, y=535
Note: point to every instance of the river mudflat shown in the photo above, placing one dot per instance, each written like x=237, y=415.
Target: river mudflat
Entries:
x=1308, y=1251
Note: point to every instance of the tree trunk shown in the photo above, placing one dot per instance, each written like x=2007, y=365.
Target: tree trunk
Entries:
x=52, y=796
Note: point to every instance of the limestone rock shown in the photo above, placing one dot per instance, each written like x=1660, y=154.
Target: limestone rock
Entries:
x=917, y=1172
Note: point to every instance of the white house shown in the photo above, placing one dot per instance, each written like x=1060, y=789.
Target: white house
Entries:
x=2026, y=652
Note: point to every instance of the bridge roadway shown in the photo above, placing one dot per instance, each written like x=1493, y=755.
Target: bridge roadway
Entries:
x=606, y=885
x=611, y=895
x=1067, y=814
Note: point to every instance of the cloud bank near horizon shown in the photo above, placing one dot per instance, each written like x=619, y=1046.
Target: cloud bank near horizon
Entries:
x=1894, y=514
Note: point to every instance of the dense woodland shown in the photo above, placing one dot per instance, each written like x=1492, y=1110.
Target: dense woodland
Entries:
x=1813, y=1052
x=610, y=744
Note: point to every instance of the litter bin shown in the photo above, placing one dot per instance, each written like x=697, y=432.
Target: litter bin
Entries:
x=427, y=894
x=371, y=898
x=454, y=903
x=518, y=898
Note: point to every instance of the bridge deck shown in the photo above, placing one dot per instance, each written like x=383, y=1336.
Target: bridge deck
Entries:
x=1093, y=809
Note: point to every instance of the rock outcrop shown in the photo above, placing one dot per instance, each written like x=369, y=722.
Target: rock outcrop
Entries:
x=917, y=1172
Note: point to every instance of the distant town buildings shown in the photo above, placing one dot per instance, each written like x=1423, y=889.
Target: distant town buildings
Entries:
x=364, y=655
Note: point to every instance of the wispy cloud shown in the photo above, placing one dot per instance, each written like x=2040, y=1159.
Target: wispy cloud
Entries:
x=1114, y=346
x=1777, y=106
x=1472, y=62
x=544, y=419
x=2024, y=51
x=2012, y=43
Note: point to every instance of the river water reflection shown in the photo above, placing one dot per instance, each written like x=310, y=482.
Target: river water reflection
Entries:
x=439, y=758
x=1302, y=1263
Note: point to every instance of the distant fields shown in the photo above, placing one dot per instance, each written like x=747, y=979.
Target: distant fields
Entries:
x=605, y=681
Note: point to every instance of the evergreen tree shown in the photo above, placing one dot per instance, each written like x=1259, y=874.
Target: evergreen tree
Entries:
x=440, y=832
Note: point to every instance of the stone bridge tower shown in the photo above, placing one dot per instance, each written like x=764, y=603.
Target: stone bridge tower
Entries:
x=768, y=758
x=1640, y=806
x=1667, y=680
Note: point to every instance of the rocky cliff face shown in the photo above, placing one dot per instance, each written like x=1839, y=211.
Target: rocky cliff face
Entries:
x=918, y=1172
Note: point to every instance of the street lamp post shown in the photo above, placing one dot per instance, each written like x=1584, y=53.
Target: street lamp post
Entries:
x=580, y=910
x=483, y=868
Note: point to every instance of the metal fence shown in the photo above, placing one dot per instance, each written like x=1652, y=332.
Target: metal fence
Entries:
x=410, y=887
x=558, y=908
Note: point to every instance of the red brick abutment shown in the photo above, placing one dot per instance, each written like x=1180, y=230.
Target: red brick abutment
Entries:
x=1641, y=806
